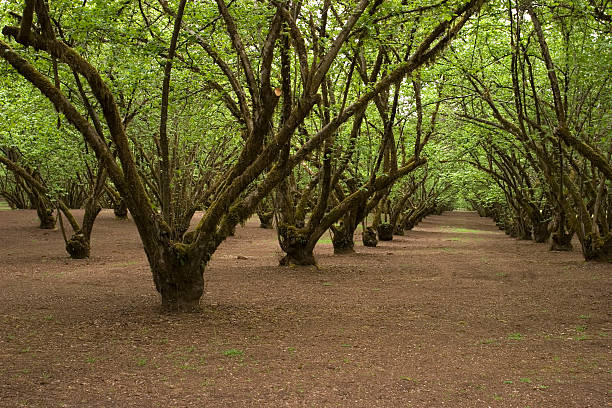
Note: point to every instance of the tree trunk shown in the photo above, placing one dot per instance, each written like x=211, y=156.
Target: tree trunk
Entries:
x=294, y=242
x=398, y=229
x=45, y=215
x=120, y=209
x=298, y=255
x=541, y=232
x=78, y=246
x=523, y=228
x=368, y=237
x=265, y=219
x=561, y=242
x=342, y=239
x=179, y=278
x=385, y=232
x=596, y=248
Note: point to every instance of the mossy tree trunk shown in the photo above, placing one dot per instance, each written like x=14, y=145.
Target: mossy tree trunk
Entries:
x=597, y=248
x=265, y=213
x=30, y=181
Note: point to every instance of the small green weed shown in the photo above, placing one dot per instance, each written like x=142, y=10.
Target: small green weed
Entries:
x=91, y=360
x=508, y=382
x=141, y=362
x=583, y=337
x=515, y=336
x=186, y=366
x=233, y=353
x=581, y=329
x=525, y=380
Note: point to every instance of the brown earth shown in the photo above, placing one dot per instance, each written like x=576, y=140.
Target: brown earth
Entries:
x=453, y=314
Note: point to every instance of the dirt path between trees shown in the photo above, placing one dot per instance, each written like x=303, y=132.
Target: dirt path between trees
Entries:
x=452, y=314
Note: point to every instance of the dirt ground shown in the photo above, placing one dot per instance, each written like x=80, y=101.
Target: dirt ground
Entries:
x=452, y=314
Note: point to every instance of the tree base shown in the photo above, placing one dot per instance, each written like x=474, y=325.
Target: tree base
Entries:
x=368, y=237
x=344, y=250
x=385, y=232
x=408, y=225
x=47, y=219
x=179, y=279
x=78, y=247
x=121, y=210
x=265, y=220
x=561, y=243
x=342, y=241
x=541, y=233
x=298, y=260
x=180, y=306
x=598, y=248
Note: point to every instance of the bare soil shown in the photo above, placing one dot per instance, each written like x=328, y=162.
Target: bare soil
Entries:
x=453, y=314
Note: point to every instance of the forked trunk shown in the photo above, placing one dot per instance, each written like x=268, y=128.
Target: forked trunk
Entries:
x=265, y=219
x=78, y=246
x=294, y=242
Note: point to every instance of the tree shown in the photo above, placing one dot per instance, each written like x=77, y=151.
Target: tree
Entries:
x=177, y=264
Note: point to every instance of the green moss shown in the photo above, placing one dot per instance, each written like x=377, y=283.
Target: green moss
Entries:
x=292, y=234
